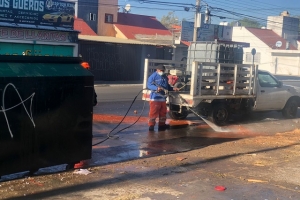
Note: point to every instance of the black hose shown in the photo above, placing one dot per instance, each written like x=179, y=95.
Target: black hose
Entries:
x=109, y=134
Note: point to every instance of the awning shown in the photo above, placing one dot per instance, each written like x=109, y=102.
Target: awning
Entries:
x=107, y=39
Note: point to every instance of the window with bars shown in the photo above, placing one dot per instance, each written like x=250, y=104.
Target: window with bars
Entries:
x=249, y=57
x=109, y=18
x=92, y=17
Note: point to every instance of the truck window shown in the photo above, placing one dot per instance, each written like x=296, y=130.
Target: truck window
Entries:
x=266, y=80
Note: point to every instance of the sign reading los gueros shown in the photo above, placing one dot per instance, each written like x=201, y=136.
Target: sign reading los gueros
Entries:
x=23, y=4
x=38, y=12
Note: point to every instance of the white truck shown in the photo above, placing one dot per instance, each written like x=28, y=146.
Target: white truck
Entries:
x=218, y=90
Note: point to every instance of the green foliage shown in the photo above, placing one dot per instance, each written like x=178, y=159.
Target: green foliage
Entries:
x=169, y=20
x=248, y=23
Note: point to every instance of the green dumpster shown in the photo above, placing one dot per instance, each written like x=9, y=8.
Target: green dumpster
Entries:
x=46, y=112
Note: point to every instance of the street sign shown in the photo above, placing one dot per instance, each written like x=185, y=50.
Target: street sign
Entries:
x=253, y=51
x=187, y=31
x=278, y=44
x=210, y=32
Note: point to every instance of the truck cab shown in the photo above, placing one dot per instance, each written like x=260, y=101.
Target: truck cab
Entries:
x=271, y=94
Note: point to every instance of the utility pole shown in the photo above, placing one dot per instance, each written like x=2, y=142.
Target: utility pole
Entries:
x=196, y=20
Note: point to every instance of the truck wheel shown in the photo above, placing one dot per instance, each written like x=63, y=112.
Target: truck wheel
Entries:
x=290, y=109
x=220, y=114
x=177, y=115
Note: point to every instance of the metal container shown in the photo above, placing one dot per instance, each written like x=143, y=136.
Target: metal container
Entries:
x=46, y=112
x=215, y=52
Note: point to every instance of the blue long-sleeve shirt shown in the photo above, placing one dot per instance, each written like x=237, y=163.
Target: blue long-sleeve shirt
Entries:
x=154, y=81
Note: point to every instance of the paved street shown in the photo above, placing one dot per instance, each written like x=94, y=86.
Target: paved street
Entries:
x=254, y=159
x=74, y=117
x=118, y=92
x=127, y=92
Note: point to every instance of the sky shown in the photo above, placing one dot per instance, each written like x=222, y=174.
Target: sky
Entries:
x=233, y=10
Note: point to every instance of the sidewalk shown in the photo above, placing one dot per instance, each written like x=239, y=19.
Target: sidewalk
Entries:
x=257, y=168
x=116, y=83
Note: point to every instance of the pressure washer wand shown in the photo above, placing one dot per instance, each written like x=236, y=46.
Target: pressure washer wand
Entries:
x=164, y=89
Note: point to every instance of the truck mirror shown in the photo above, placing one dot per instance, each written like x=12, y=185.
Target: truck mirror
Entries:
x=280, y=84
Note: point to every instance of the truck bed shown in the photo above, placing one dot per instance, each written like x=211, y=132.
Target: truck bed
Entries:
x=218, y=81
x=208, y=81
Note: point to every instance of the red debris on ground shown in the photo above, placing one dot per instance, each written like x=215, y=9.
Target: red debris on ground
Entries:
x=81, y=164
x=220, y=188
x=118, y=118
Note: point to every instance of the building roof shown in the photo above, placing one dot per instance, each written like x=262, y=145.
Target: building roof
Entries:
x=270, y=38
x=186, y=43
x=83, y=27
x=134, y=26
x=108, y=39
x=176, y=28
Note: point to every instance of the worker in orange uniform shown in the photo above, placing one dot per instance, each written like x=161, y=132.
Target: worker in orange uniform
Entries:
x=158, y=84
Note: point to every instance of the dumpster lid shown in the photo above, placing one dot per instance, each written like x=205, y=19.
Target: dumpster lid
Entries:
x=40, y=59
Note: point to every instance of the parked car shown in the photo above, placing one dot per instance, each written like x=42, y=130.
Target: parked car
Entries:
x=58, y=18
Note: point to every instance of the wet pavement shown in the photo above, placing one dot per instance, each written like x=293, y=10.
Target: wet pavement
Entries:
x=184, y=135
x=134, y=141
x=137, y=142
x=200, y=158
x=144, y=144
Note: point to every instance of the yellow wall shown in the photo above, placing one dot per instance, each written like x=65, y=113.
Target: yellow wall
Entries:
x=109, y=7
x=119, y=34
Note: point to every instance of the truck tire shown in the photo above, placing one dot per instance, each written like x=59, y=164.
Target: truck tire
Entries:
x=290, y=109
x=177, y=115
x=220, y=114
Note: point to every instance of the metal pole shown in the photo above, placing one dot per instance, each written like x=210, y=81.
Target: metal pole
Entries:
x=196, y=20
x=276, y=64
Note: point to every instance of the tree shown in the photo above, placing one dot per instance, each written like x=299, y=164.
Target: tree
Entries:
x=247, y=23
x=169, y=20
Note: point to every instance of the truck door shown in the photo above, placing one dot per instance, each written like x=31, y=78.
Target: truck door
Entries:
x=270, y=94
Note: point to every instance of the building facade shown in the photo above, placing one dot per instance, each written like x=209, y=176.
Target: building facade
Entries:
x=285, y=26
x=99, y=15
x=271, y=53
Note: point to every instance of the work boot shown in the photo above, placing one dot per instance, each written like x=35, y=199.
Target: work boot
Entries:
x=151, y=128
x=163, y=127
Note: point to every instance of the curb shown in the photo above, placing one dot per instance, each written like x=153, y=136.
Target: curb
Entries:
x=116, y=85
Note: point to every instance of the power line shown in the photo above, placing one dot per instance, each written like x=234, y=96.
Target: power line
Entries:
x=248, y=16
x=253, y=10
x=165, y=2
x=90, y=4
x=230, y=4
x=179, y=5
